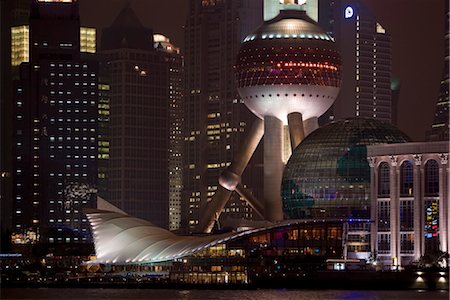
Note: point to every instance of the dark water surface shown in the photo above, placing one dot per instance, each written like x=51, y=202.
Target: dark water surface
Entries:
x=260, y=294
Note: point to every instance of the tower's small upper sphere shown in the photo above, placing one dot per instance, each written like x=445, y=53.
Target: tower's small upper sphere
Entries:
x=288, y=65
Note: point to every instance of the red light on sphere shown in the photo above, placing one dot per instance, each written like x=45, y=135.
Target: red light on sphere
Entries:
x=289, y=55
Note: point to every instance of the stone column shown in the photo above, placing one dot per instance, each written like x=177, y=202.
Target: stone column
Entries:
x=447, y=190
x=443, y=203
x=373, y=205
x=418, y=228
x=422, y=210
x=394, y=174
x=273, y=168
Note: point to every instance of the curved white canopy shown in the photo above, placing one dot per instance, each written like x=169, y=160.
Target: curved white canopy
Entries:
x=120, y=238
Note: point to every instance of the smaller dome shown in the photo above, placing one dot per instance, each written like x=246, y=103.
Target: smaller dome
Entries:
x=290, y=24
x=328, y=175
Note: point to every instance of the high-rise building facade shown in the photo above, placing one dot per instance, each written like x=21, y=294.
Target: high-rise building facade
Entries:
x=55, y=131
x=20, y=43
x=4, y=165
x=365, y=47
x=145, y=83
x=215, y=117
x=171, y=55
x=440, y=127
x=104, y=107
x=409, y=201
x=13, y=13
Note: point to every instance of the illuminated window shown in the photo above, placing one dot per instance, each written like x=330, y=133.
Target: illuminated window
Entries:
x=19, y=45
x=431, y=178
x=383, y=180
x=380, y=29
x=406, y=179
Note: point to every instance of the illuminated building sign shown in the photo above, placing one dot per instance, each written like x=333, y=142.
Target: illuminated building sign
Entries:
x=432, y=220
x=348, y=13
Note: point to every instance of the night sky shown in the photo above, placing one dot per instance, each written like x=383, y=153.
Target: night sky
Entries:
x=416, y=26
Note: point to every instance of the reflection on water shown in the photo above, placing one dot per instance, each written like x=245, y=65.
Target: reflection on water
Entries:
x=70, y=294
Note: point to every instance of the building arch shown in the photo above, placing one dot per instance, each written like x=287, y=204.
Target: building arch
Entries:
x=384, y=180
x=431, y=170
x=406, y=179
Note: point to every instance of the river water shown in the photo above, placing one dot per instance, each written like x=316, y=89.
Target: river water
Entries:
x=259, y=294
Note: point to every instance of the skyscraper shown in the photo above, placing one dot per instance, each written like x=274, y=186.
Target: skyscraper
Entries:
x=440, y=127
x=365, y=47
x=144, y=84
x=12, y=13
x=5, y=163
x=172, y=57
x=215, y=117
x=55, y=131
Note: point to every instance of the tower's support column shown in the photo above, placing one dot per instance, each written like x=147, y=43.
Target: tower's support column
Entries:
x=310, y=125
x=273, y=168
x=296, y=130
x=231, y=178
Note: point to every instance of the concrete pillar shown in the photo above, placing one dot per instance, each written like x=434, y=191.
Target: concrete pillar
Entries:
x=373, y=205
x=422, y=210
x=418, y=207
x=230, y=178
x=447, y=190
x=273, y=168
x=310, y=125
x=443, y=203
x=296, y=130
x=394, y=175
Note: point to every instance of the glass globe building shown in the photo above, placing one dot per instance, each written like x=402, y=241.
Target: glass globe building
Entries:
x=328, y=175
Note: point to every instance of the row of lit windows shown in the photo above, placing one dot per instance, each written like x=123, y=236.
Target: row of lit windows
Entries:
x=70, y=93
x=293, y=75
x=70, y=102
x=407, y=179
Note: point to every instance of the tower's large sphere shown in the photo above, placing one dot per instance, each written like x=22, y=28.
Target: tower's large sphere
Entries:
x=288, y=65
x=328, y=175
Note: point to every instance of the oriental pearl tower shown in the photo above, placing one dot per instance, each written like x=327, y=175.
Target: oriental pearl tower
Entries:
x=288, y=73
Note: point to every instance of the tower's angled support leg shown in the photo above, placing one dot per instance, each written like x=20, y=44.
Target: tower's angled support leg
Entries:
x=257, y=206
x=231, y=177
x=296, y=130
